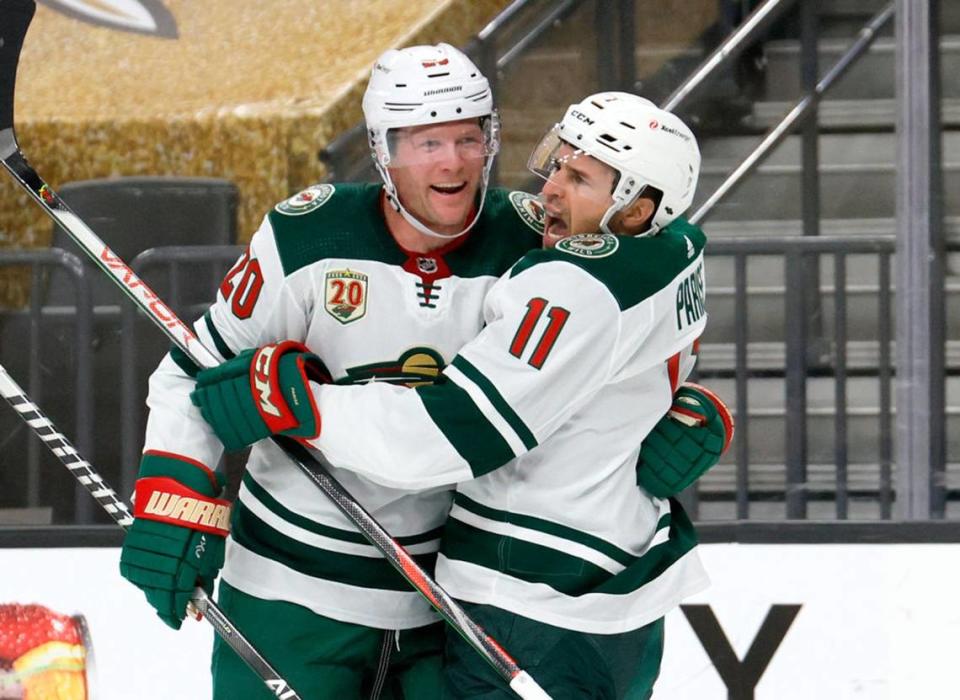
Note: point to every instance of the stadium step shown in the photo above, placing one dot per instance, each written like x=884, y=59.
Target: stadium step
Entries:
x=857, y=173
x=848, y=115
x=872, y=77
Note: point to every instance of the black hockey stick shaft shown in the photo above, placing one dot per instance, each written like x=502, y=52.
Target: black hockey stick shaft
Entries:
x=88, y=477
x=314, y=467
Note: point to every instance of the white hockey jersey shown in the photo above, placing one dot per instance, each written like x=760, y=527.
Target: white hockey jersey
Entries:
x=540, y=419
x=323, y=269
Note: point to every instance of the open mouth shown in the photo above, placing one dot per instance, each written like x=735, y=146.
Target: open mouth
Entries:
x=449, y=189
x=555, y=228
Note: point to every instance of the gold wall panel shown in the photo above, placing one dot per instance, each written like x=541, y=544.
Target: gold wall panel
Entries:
x=247, y=91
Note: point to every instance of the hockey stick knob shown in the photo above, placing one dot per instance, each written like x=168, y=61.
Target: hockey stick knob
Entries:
x=527, y=688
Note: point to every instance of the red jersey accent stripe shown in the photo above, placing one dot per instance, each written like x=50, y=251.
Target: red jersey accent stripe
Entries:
x=673, y=370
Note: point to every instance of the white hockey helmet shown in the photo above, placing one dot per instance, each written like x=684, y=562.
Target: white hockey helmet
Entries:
x=647, y=146
x=422, y=85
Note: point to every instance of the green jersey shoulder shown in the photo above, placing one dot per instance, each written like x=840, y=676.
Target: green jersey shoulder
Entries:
x=341, y=220
x=345, y=220
x=632, y=269
x=510, y=225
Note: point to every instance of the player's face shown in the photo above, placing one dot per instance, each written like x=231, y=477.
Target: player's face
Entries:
x=575, y=195
x=437, y=171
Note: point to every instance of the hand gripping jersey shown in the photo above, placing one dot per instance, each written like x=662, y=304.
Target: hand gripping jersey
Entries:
x=323, y=269
x=540, y=419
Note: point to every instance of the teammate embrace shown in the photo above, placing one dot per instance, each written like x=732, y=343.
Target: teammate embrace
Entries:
x=483, y=368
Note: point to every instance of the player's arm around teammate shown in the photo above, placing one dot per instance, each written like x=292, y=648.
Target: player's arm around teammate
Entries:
x=541, y=416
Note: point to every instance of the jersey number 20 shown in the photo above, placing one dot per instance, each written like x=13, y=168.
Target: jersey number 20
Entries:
x=248, y=285
x=535, y=308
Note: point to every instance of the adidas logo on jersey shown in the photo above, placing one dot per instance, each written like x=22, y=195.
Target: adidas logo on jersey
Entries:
x=691, y=251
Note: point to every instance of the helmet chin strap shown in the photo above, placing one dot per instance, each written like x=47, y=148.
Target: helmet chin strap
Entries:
x=394, y=199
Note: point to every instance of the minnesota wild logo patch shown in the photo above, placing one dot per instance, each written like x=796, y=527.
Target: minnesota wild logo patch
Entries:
x=345, y=295
x=418, y=366
x=306, y=201
x=589, y=245
x=530, y=210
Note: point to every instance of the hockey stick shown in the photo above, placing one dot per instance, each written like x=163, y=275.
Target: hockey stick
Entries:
x=88, y=477
x=315, y=468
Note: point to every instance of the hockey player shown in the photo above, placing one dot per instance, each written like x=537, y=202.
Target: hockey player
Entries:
x=385, y=282
x=556, y=551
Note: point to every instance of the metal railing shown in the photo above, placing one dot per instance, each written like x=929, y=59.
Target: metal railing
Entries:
x=731, y=357
x=797, y=364
x=804, y=109
x=135, y=337
x=27, y=355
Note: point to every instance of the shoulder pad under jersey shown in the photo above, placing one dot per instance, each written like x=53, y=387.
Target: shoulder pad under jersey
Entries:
x=632, y=269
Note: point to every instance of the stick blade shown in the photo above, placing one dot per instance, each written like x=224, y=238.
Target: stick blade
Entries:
x=15, y=16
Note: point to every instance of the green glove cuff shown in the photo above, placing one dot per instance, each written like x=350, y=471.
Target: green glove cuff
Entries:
x=685, y=443
x=192, y=474
x=166, y=560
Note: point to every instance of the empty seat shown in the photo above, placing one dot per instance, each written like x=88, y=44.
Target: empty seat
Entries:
x=130, y=215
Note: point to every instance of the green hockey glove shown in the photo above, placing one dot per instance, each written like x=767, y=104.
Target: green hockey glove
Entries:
x=260, y=393
x=686, y=442
x=178, y=532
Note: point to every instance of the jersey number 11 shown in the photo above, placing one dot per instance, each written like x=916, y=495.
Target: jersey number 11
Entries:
x=558, y=317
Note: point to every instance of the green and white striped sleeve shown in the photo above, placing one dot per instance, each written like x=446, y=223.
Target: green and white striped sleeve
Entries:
x=548, y=346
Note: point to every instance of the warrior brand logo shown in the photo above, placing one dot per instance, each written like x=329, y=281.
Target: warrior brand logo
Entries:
x=140, y=16
x=691, y=299
x=582, y=117
x=188, y=510
x=440, y=91
x=589, y=245
x=261, y=381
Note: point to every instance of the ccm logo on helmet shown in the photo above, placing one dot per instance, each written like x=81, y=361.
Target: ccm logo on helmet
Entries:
x=261, y=381
x=582, y=117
